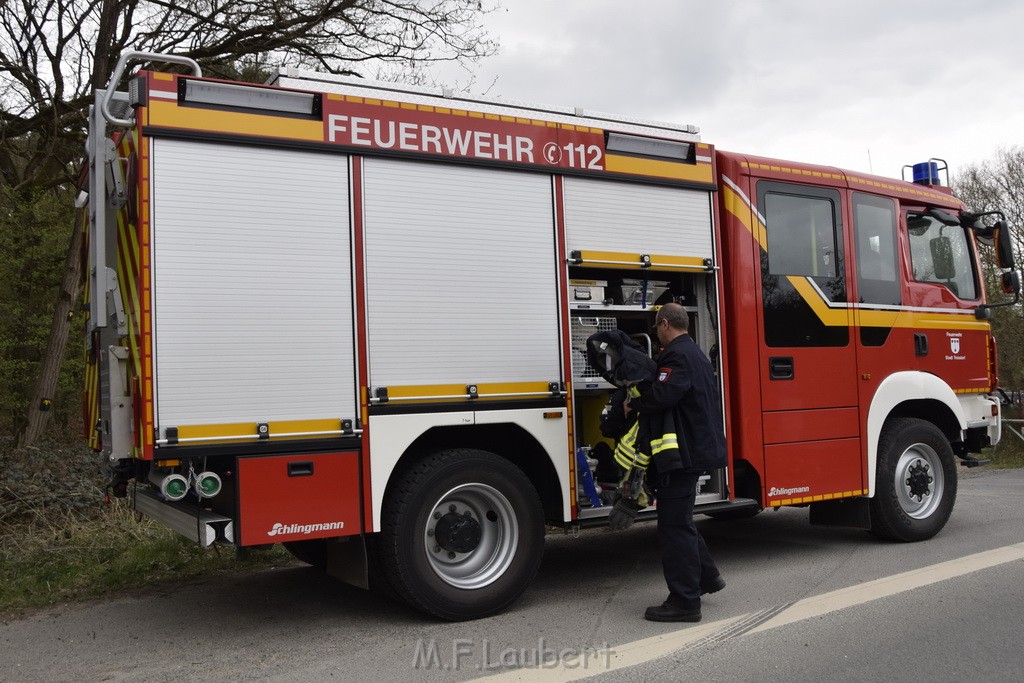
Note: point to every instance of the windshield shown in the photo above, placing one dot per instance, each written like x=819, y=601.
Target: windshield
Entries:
x=941, y=254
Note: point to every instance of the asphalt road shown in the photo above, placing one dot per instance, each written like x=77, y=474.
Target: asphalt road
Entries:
x=802, y=603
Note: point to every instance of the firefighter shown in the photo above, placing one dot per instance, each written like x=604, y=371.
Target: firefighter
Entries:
x=681, y=411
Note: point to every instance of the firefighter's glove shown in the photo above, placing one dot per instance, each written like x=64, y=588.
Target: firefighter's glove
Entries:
x=630, y=498
x=632, y=488
x=623, y=514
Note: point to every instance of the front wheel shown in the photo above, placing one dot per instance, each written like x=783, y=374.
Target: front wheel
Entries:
x=915, y=482
x=462, y=534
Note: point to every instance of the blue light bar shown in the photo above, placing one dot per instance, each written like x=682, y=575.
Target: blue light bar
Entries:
x=926, y=173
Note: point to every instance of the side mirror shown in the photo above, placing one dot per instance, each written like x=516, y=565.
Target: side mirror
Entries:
x=1010, y=281
x=1004, y=246
x=942, y=258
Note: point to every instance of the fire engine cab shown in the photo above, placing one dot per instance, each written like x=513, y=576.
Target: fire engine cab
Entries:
x=351, y=317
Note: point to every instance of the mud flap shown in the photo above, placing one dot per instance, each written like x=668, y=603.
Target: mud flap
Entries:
x=851, y=512
x=347, y=561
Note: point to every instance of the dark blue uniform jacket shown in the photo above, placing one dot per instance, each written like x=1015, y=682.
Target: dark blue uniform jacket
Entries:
x=683, y=396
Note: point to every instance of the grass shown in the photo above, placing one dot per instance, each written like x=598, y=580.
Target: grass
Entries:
x=1009, y=453
x=56, y=558
x=59, y=544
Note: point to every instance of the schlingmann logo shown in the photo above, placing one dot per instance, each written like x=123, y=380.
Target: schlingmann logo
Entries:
x=280, y=529
x=788, y=492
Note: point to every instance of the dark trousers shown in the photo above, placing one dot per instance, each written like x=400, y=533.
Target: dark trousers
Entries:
x=684, y=555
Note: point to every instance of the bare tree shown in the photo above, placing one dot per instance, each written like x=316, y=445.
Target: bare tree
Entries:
x=998, y=184
x=54, y=53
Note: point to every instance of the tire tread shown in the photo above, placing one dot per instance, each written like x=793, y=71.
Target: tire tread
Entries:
x=397, y=506
x=884, y=523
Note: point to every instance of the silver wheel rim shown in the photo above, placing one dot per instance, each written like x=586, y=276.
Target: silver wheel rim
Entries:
x=498, y=537
x=920, y=482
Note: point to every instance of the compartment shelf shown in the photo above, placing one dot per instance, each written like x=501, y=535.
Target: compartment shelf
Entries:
x=620, y=308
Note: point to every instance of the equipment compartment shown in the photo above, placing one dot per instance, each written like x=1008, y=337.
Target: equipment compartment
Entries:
x=298, y=497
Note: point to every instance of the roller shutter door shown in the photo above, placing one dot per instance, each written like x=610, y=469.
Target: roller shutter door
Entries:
x=604, y=215
x=252, y=285
x=461, y=275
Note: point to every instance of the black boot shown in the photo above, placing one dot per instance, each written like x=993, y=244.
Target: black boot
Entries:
x=668, y=612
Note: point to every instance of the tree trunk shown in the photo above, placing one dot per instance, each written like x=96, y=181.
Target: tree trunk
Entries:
x=70, y=288
x=71, y=285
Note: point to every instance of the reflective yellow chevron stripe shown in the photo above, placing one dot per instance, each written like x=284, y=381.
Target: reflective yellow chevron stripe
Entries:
x=626, y=454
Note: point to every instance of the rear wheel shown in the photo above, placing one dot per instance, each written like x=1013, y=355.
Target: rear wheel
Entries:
x=462, y=534
x=915, y=482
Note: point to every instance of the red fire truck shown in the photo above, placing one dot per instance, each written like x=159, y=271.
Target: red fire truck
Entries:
x=350, y=317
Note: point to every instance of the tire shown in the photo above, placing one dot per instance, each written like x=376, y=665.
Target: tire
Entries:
x=915, y=481
x=313, y=553
x=462, y=534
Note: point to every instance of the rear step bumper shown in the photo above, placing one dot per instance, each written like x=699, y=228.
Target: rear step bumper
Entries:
x=195, y=524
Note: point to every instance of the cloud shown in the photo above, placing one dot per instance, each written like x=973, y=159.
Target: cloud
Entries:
x=810, y=81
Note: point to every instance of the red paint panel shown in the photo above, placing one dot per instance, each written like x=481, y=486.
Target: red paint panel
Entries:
x=445, y=133
x=811, y=425
x=741, y=310
x=812, y=468
x=298, y=497
x=959, y=356
x=823, y=377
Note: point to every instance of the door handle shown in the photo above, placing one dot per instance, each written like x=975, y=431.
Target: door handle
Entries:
x=780, y=367
x=300, y=469
x=920, y=344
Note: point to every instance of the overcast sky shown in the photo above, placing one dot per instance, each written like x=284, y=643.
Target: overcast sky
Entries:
x=816, y=81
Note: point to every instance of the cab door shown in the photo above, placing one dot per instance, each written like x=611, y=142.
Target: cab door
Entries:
x=808, y=363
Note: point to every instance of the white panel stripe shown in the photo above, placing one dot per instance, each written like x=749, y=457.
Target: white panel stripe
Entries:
x=746, y=200
x=884, y=307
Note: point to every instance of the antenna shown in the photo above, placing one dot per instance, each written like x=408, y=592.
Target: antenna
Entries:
x=871, y=168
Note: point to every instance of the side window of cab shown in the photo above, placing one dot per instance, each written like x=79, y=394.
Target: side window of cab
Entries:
x=941, y=254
